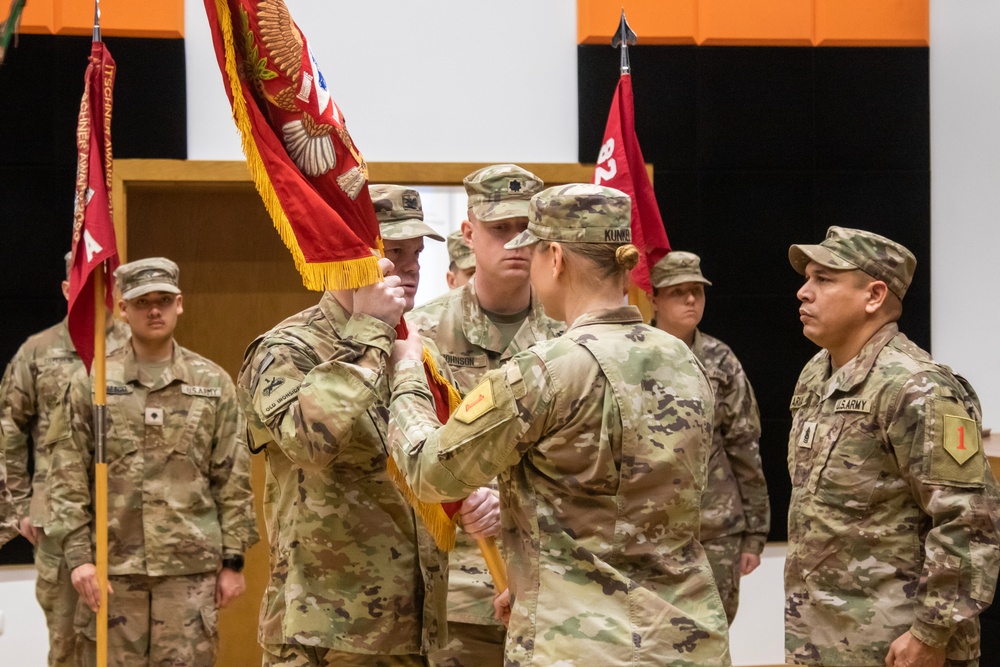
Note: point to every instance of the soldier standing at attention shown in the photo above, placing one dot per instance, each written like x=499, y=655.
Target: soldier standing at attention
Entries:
x=600, y=439
x=36, y=379
x=477, y=328
x=892, y=528
x=180, y=508
x=735, y=512
x=461, y=261
x=355, y=578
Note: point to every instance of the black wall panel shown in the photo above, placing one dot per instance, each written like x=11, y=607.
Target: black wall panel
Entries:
x=758, y=148
x=41, y=83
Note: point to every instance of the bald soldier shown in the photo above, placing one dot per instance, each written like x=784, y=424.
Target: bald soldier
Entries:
x=35, y=380
x=478, y=327
x=355, y=577
x=461, y=261
x=735, y=511
x=893, y=546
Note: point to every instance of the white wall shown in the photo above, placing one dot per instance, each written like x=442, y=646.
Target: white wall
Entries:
x=24, y=640
x=965, y=193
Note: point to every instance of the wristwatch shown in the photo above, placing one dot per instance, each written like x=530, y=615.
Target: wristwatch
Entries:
x=234, y=563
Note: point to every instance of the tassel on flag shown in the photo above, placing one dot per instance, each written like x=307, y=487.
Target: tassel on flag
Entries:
x=620, y=165
x=93, y=226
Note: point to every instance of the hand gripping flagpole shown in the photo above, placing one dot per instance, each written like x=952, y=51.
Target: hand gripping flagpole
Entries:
x=100, y=426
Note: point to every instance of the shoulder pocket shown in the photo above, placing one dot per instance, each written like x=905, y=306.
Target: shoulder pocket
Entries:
x=852, y=462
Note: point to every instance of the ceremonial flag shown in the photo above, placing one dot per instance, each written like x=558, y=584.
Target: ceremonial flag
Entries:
x=310, y=175
x=8, y=28
x=620, y=166
x=93, y=228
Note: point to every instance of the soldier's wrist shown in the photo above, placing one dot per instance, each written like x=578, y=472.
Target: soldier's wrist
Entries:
x=935, y=636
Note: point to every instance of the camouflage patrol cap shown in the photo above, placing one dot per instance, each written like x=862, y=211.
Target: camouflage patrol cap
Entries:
x=846, y=249
x=459, y=253
x=578, y=213
x=153, y=274
x=399, y=213
x=501, y=191
x=675, y=268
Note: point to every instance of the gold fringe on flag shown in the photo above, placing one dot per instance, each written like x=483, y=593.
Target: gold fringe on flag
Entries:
x=435, y=519
x=345, y=274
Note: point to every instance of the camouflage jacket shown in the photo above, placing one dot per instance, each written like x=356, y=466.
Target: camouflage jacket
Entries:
x=8, y=518
x=179, y=495
x=35, y=381
x=470, y=344
x=735, y=500
x=893, y=518
x=351, y=567
x=601, y=440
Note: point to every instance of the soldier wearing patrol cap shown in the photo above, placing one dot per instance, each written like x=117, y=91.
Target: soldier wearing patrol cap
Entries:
x=600, y=442
x=355, y=577
x=477, y=327
x=35, y=380
x=461, y=261
x=893, y=523
x=180, y=514
x=735, y=512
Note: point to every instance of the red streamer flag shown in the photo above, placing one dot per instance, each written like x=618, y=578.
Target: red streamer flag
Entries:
x=310, y=175
x=93, y=226
x=620, y=166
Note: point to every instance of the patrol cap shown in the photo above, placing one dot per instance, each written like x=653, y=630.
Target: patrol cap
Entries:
x=846, y=249
x=399, y=213
x=459, y=253
x=577, y=213
x=501, y=191
x=677, y=267
x=154, y=274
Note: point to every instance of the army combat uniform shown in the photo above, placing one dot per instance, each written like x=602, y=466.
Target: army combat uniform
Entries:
x=8, y=518
x=599, y=440
x=472, y=344
x=36, y=379
x=892, y=525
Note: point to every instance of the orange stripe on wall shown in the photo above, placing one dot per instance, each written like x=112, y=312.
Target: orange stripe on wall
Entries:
x=119, y=18
x=760, y=22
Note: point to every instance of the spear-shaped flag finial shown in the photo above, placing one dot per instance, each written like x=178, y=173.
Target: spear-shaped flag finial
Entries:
x=97, y=20
x=624, y=38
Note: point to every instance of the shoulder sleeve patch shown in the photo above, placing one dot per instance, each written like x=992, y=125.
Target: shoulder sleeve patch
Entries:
x=274, y=392
x=477, y=403
x=956, y=446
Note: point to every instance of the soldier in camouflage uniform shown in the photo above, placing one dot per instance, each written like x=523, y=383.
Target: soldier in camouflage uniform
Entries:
x=892, y=528
x=600, y=439
x=355, y=578
x=36, y=378
x=477, y=328
x=461, y=261
x=180, y=508
x=735, y=512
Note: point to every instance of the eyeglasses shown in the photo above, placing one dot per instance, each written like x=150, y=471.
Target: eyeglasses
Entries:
x=145, y=302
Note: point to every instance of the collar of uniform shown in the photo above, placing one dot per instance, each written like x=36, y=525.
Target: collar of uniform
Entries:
x=480, y=330
x=698, y=345
x=618, y=315
x=857, y=369
x=177, y=370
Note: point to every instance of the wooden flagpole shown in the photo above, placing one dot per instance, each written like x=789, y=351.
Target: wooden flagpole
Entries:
x=100, y=464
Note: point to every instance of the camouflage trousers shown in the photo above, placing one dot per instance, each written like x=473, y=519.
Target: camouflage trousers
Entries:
x=57, y=598
x=724, y=556
x=471, y=645
x=154, y=621
x=294, y=655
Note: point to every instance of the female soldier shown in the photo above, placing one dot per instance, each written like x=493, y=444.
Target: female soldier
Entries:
x=600, y=440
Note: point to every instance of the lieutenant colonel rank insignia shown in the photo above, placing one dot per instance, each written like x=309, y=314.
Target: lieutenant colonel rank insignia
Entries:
x=477, y=403
x=961, y=438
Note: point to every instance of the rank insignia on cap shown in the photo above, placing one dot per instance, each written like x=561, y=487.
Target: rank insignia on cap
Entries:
x=411, y=202
x=961, y=438
x=514, y=185
x=477, y=403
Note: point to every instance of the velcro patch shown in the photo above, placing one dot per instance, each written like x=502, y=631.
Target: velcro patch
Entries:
x=477, y=403
x=961, y=438
x=118, y=389
x=798, y=401
x=808, y=435
x=273, y=392
x=154, y=416
x=853, y=405
x=207, y=392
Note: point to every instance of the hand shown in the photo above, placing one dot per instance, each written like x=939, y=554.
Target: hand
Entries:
x=749, y=563
x=908, y=651
x=411, y=347
x=84, y=580
x=28, y=531
x=384, y=300
x=501, y=607
x=229, y=585
x=480, y=513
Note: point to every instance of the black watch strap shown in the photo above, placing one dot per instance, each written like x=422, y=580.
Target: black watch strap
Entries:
x=234, y=563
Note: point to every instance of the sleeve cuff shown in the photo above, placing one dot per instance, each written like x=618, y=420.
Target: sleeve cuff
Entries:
x=77, y=556
x=754, y=544
x=406, y=371
x=932, y=635
x=370, y=331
